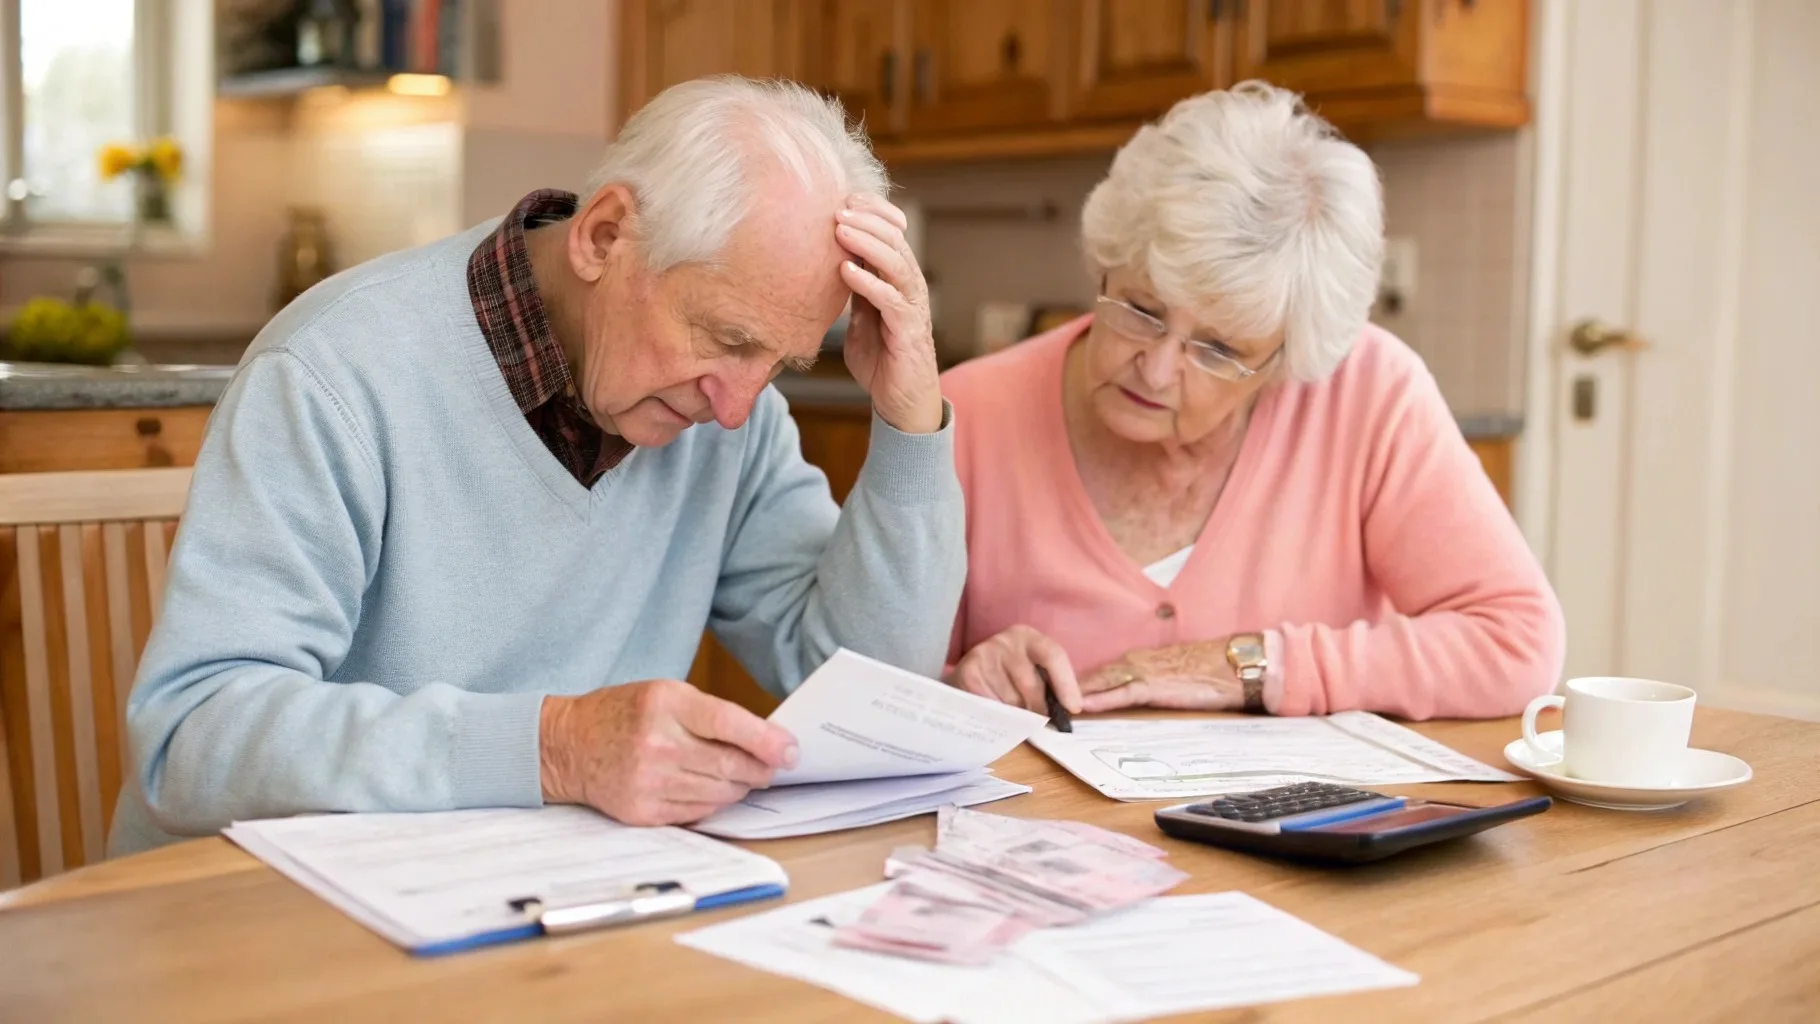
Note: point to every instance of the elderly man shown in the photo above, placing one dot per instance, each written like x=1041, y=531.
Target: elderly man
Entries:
x=461, y=517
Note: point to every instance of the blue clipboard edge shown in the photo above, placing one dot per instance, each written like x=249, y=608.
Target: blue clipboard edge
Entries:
x=715, y=901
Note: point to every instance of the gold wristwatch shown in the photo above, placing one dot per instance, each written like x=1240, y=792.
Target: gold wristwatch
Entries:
x=1245, y=653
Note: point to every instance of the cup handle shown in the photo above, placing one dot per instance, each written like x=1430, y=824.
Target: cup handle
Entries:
x=1536, y=707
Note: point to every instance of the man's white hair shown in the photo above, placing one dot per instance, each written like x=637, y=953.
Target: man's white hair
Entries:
x=688, y=157
x=1249, y=210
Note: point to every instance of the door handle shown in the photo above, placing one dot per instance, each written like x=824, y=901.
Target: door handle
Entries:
x=1592, y=336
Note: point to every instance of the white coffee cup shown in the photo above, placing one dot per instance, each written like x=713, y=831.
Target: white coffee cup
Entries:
x=1626, y=732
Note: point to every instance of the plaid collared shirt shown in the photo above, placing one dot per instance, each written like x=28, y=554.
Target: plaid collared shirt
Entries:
x=512, y=319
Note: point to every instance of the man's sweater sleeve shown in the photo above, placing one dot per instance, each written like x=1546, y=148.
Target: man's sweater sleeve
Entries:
x=801, y=576
x=232, y=716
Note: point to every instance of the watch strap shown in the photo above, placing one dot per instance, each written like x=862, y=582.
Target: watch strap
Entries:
x=1254, y=695
x=1245, y=652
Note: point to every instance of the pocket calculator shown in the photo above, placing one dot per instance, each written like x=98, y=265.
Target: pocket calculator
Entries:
x=1322, y=821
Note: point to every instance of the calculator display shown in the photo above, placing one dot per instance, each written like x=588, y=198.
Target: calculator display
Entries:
x=1410, y=814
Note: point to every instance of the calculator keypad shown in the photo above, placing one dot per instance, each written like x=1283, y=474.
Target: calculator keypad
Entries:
x=1281, y=802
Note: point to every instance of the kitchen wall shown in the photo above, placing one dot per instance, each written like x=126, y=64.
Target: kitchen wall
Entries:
x=1460, y=200
x=547, y=119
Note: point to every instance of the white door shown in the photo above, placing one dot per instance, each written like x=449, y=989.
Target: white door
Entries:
x=1673, y=488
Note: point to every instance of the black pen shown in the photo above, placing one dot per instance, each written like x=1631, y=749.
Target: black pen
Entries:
x=1058, y=715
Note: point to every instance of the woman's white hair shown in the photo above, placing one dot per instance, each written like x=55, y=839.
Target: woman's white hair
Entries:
x=688, y=157
x=1249, y=210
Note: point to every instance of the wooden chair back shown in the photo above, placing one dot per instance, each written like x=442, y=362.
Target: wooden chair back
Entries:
x=82, y=561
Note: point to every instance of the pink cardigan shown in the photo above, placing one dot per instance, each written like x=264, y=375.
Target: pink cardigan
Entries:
x=1357, y=526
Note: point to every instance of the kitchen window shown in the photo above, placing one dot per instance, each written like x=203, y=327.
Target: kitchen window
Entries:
x=80, y=75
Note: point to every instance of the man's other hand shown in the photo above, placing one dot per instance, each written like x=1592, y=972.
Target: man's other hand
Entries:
x=659, y=752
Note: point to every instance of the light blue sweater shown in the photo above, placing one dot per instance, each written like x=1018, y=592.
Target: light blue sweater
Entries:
x=382, y=570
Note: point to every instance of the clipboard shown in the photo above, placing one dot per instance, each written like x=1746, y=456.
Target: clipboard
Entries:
x=440, y=882
x=651, y=901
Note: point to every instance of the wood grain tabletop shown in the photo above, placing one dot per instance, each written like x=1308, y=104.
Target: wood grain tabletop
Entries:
x=1707, y=912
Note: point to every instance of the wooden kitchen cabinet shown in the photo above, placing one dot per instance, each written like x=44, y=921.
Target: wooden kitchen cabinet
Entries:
x=950, y=80
x=1326, y=45
x=1498, y=457
x=1380, y=68
x=671, y=41
x=1136, y=58
x=983, y=64
x=855, y=54
x=53, y=440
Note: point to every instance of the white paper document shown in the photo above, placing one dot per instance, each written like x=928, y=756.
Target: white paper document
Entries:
x=1141, y=759
x=1180, y=954
x=1173, y=954
x=426, y=880
x=858, y=718
x=817, y=807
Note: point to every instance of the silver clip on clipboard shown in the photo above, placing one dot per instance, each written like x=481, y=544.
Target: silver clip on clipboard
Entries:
x=646, y=902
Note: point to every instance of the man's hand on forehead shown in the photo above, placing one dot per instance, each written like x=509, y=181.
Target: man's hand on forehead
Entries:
x=890, y=345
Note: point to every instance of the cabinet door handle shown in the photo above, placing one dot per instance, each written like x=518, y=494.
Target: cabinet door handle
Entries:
x=1393, y=9
x=887, y=75
x=1011, y=51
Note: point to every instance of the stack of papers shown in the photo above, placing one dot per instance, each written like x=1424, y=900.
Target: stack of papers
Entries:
x=819, y=807
x=448, y=881
x=1173, y=954
x=874, y=744
x=1143, y=759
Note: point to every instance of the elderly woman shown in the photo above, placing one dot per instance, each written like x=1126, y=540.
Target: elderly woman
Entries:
x=1223, y=489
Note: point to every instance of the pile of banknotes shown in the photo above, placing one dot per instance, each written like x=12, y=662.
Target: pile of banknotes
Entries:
x=991, y=878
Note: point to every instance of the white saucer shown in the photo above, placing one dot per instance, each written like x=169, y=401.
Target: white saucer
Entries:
x=1700, y=772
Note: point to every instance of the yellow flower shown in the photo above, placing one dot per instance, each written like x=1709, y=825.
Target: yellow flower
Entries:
x=116, y=159
x=167, y=158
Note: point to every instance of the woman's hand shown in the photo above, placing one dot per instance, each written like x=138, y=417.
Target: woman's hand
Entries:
x=1004, y=669
x=1195, y=677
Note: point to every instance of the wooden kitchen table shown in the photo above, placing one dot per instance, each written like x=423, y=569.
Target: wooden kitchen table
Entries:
x=1709, y=912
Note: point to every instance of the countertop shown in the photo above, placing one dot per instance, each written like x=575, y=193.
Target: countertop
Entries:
x=63, y=386
x=60, y=386
x=53, y=386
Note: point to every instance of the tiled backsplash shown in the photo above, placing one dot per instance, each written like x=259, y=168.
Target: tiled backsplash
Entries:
x=386, y=171
x=1462, y=201
x=971, y=261
x=1459, y=199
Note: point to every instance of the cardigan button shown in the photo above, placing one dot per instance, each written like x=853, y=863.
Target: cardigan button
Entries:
x=1165, y=611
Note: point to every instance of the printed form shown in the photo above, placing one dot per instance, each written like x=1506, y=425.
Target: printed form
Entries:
x=857, y=718
x=1142, y=759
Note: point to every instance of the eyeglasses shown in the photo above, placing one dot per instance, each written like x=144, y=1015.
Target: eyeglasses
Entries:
x=1133, y=323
